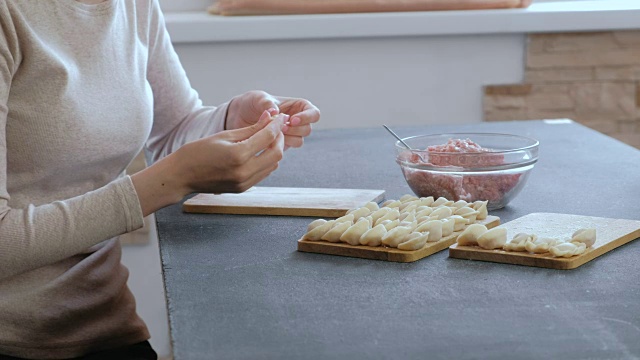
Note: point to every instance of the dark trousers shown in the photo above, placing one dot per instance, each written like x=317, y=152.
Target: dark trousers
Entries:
x=139, y=351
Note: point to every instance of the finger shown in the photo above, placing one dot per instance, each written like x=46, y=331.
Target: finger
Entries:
x=246, y=132
x=301, y=131
x=293, y=141
x=263, y=138
x=257, y=177
x=302, y=111
x=264, y=101
x=273, y=154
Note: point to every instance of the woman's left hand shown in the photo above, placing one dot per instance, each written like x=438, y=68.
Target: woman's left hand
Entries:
x=245, y=110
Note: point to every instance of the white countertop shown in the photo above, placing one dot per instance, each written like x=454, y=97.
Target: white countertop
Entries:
x=595, y=15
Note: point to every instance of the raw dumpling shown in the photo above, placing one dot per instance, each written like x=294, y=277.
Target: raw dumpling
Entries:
x=409, y=208
x=396, y=236
x=392, y=204
x=481, y=208
x=463, y=211
x=376, y=215
x=361, y=212
x=426, y=201
x=441, y=201
x=441, y=213
x=373, y=237
x=391, y=215
x=408, y=198
x=316, y=233
x=347, y=218
x=460, y=204
x=412, y=225
x=407, y=217
x=434, y=227
x=518, y=242
x=373, y=206
x=423, y=211
x=334, y=234
x=389, y=224
x=352, y=235
x=315, y=223
x=460, y=222
x=369, y=220
x=539, y=245
x=567, y=249
x=471, y=234
x=493, y=239
x=447, y=226
x=415, y=241
x=585, y=236
x=471, y=217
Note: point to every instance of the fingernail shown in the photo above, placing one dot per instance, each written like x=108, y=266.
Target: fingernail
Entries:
x=295, y=121
x=285, y=128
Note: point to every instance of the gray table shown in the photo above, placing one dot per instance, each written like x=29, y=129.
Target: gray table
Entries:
x=238, y=289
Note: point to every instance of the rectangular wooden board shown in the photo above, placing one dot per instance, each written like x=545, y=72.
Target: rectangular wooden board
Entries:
x=386, y=253
x=610, y=233
x=284, y=201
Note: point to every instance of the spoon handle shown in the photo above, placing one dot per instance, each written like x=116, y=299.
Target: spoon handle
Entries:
x=397, y=137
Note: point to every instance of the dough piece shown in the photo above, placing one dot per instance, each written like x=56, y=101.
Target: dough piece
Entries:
x=471, y=217
x=460, y=222
x=315, y=223
x=424, y=219
x=415, y=241
x=585, y=236
x=408, y=209
x=493, y=239
x=373, y=206
x=396, y=236
x=447, y=226
x=412, y=225
x=409, y=217
x=567, y=249
x=352, y=235
x=316, y=233
x=408, y=198
x=379, y=213
x=373, y=237
x=334, y=234
x=481, y=207
x=518, y=242
x=434, y=227
x=390, y=224
x=391, y=215
x=441, y=213
x=441, y=201
x=539, y=245
x=423, y=211
x=361, y=212
x=347, y=218
x=463, y=211
x=426, y=201
x=369, y=220
x=471, y=234
x=460, y=204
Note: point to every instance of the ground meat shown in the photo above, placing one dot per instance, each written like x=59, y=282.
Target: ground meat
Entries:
x=455, y=186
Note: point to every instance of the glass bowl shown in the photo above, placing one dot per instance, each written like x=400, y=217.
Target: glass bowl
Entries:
x=496, y=174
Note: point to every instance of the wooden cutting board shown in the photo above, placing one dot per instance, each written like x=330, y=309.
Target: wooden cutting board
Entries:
x=284, y=201
x=610, y=233
x=386, y=253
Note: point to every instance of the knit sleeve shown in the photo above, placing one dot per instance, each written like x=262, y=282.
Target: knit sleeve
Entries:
x=179, y=116
x=36, y=236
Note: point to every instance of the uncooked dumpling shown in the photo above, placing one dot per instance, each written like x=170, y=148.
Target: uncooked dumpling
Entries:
x=518, y=242
x=434, y=227
x=585, y=236
x=396, y=236
x=376, y=215
x=463, y=211
x=441, y=201
x=347, y=218
x=448, y=226
x=471, y=234
x=415, y=241
x=315, y=223
x=460, y=204
x=391, y=215
x=423, y=211
x=408, y=198
x=389, y=224
x=412, y=225
x=567, y=249
x=408, y=209
x=352, y=235
x=481, y=208
x=361, y=212
x=471, y=217
x=393, y=204
x=316, y=233
x=441, y=213
x=426, y=201
x=460, y=222
x=493, y=239
x=407, y=217
x=540, y=245
x=334, y=234
x=373, y=237
x=373, y=206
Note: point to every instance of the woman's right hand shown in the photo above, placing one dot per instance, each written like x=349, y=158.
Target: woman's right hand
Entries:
x=229, y=161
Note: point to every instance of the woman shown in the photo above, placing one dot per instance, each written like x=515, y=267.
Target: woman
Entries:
x=84, y=86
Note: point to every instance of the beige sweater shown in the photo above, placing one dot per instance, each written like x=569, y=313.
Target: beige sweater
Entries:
x=82, y=89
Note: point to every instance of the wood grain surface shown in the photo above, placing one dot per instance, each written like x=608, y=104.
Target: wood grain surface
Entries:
x=610, y=234
x=284, y=201
x=385, y=253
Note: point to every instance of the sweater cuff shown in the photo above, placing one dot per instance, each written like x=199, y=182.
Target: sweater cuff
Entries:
x=130, y=204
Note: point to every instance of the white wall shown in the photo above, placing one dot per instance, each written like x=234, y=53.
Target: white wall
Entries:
x=363, y=82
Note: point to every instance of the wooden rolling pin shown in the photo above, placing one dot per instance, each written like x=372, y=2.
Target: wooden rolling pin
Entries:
x=282, y=7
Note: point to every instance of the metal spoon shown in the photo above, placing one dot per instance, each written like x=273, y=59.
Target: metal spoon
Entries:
x=402, y=141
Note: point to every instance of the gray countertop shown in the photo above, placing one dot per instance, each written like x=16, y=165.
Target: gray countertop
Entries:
x=238, y=289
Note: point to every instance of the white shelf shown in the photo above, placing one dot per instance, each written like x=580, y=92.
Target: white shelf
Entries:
x=596, y=15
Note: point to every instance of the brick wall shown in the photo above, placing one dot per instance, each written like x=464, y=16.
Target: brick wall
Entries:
x=592, y=78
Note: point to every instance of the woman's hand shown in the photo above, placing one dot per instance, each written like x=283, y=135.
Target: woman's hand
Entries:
x=230, y=161
x=246, y=108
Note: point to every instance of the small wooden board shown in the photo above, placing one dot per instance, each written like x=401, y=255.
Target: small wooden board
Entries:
x=386, y=253
x=284, y=201
x=610, y=233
